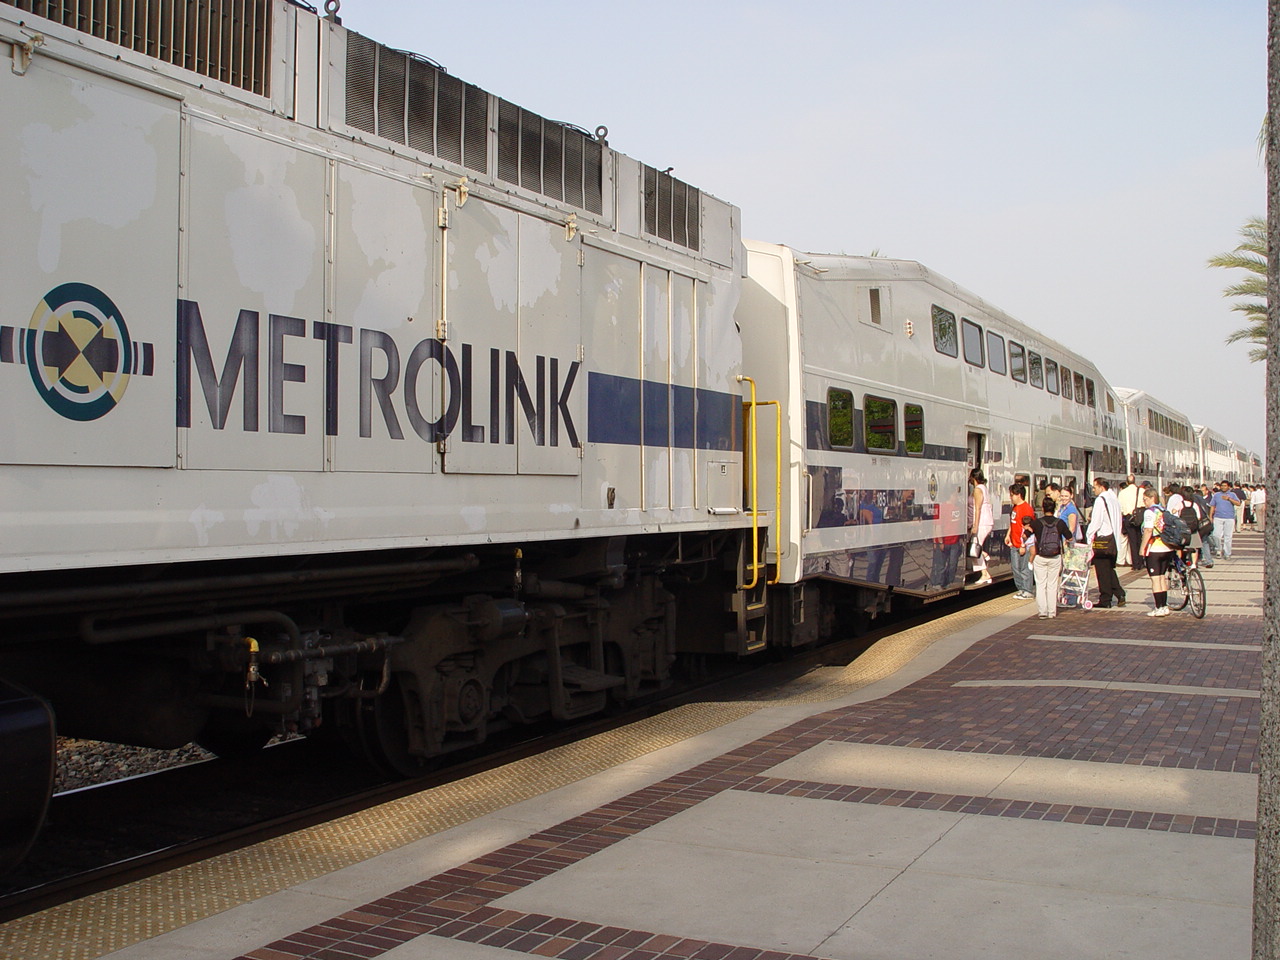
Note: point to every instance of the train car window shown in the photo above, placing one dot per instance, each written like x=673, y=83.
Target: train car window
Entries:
x=1036, y=369
x=995, y=354
x=880, y=418
x=973, y=352
x=945, y=339
x=1111, y=403
x=874, y=296
x=1051, y=375
x=1079, y=382
x=1092, y=393
x=840, y=417
x=1018, y=362
x=1066, y=383
x=913, y=427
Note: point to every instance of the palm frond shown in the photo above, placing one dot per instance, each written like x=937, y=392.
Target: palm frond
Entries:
x=1236, y=260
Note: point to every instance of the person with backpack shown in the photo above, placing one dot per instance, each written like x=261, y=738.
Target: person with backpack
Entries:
x=1159, y=554
x=1044, y=538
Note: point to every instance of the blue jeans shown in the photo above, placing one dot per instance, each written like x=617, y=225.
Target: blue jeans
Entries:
x=1223, y=528
x=1208, y=544
x=1023, y=578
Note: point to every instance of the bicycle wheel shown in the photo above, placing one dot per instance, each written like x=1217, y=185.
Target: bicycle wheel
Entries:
x=1196, y=593
x=1177, y=589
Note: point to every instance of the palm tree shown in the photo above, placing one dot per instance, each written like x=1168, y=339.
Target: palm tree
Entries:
x=1250, y=255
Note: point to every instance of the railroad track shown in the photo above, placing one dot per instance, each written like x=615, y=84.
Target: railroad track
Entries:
x=105, y=836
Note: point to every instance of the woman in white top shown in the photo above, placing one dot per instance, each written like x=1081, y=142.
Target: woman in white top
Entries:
x=981, y=523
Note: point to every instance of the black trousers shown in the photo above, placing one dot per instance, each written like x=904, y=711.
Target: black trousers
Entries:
x=1109, y=589
x=1135, y=541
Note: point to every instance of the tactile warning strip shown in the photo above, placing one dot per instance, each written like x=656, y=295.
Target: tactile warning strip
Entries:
x=114, y=919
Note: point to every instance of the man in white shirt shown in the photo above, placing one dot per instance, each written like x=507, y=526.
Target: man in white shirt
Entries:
x=1258, y=500
x=1104, y=524
x=1130, y=535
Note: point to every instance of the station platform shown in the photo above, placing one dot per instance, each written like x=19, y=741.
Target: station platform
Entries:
x=989, y=785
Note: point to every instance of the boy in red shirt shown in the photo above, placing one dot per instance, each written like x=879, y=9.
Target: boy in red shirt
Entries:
x=1023, y=578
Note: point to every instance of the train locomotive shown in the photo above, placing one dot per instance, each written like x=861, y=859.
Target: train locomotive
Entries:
x=344, y=398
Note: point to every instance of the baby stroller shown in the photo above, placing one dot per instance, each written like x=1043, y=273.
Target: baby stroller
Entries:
x=1073, y=589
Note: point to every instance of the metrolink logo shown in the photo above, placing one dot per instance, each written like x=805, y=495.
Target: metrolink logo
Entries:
x=80, y=356
x=78, y=351
x=481, y=397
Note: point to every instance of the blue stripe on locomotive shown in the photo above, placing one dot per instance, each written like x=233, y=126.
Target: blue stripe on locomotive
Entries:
x=633, y=412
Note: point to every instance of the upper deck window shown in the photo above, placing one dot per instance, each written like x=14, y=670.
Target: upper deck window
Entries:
x=973, y=352
x=1092, y=392
x=945, y=339
x=1051, y=375
x=1078, y=380
x=1017, y=361
x=995, y=353
x=1037, y=370
x=1066, y=384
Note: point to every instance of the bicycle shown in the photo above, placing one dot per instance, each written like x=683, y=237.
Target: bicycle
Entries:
x=1186, y=586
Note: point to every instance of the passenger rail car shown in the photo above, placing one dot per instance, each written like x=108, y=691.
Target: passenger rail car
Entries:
x=1216, y=458
x=1162, y=442
x=898, y=382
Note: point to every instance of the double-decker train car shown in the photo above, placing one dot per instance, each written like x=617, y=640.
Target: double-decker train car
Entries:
x=897, y=382
x=1161, y=442
x=343, y=396
x=1217, y=462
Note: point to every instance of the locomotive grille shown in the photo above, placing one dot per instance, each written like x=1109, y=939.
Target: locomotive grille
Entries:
x=550, y=158
x=405, y=99
x=226, y=40
x=672, y=208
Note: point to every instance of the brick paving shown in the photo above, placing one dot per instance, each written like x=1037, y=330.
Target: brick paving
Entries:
x=1202, y=731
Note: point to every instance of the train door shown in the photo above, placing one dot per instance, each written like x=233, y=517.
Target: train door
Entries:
x=977, y=447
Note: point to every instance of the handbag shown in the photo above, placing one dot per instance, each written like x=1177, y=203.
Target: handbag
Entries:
x=1104, y=545
x=975, y=548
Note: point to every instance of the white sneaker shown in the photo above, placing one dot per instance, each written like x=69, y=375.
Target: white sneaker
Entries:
x=1159, y=612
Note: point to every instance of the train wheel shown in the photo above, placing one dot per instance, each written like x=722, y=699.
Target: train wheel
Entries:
x=381, y=729
x=27, y=755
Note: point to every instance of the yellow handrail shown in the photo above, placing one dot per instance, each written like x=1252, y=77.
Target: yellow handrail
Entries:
x=749, y=416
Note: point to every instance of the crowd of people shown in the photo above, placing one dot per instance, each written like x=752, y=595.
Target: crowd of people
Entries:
x=1121, y=528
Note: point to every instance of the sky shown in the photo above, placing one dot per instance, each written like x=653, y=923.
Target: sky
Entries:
x=1073, y=163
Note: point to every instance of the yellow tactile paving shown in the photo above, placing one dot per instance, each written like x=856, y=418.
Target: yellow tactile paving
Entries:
x=115, y=919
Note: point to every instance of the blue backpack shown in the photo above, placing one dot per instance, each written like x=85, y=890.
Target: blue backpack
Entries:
x=1174, y=532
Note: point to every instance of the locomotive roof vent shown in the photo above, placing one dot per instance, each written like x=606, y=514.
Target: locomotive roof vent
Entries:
x=229, y=42
x=408, y=99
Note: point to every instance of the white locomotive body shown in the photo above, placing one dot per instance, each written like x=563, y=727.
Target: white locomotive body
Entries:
x=339, y=391
x=371, y=341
